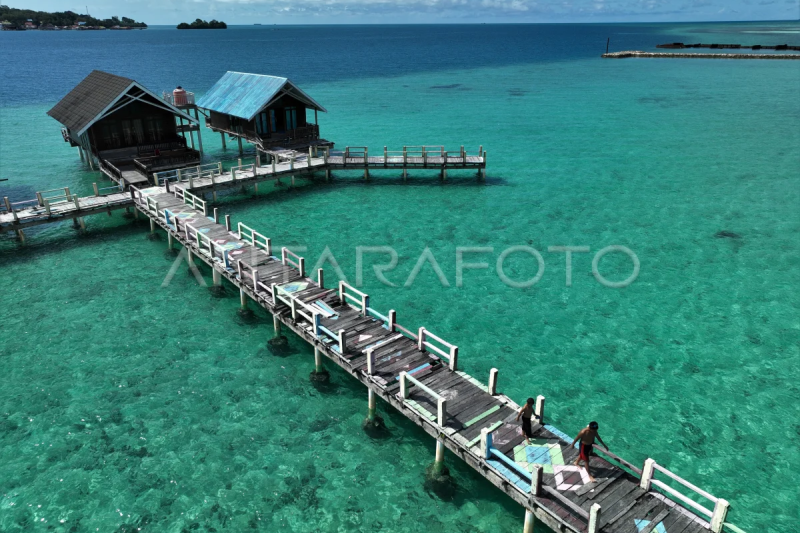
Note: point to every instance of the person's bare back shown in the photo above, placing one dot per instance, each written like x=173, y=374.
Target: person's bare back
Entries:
x=587, y=436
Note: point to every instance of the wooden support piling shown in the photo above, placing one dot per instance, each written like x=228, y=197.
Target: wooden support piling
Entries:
x=438, y=464
x=530, y=522
x=170, y=241
x=224, y=146
x=318, y=365
x=21, y=236
x=241, y=150
x=371, y=405
x=242, y=299
x=216, y=277
x=152, y=226
x=276, y=323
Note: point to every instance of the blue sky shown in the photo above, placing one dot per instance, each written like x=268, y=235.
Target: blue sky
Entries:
x=438, y=11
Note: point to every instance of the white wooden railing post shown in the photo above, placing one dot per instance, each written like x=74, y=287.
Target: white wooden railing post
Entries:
x=442, y=411
x=342, y=342
x=454, y=358
x=385, y=157
x=486, y=443
x=219, y=167
x=273, y=164
x=302, y=263
x=403, y=385
x=647, y=474
x=539, y=409
x=421, y=339
x=341, y=292
x=364, y=304
x=594, y=519
x=317, y=322
x=321, y=278
x=718, y=517
x=294, y=308
x=233, y=174
x=284, y=255
x=405, y=155
x=392, y=320
x=96, y=191
x=536, y=480
x=492, y=389
x=370, y=361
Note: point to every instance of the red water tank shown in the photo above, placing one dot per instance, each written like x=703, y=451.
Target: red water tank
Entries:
x=179, y=96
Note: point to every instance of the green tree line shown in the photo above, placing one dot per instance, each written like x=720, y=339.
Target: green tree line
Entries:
x=18, y=17
x=203, y=25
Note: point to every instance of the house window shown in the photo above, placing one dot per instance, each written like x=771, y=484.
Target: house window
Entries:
x=291, y=118
x=273, y=120
x=262, y=128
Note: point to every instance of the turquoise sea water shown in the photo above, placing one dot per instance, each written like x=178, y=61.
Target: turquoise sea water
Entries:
x=129, y=405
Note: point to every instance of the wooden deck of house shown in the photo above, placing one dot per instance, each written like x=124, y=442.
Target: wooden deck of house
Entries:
x=419, y=374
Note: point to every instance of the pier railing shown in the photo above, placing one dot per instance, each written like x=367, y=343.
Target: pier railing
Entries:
x=355, y=298
x=288, y=257
x=190, y=199
x=189, y=174
x=441, y=401
x=256, y=239
x=716, y=516
x=424, y=337
x=360, y=155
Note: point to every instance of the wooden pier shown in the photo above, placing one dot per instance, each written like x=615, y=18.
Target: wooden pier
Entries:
x=699, y=55
x=419, y=374
x=59, y=204
x=289, y=164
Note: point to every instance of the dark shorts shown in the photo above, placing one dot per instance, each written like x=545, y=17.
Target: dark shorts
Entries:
x=586, y=451
x=526, y=427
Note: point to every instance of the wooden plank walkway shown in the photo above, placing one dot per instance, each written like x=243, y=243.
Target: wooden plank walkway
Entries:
x=418, y=374
x=36, y=214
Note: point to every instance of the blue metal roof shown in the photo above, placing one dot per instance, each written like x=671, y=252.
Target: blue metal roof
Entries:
x=243, y=95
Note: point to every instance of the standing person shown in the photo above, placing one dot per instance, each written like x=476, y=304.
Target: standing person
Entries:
x=587, y=436
x=526, y=412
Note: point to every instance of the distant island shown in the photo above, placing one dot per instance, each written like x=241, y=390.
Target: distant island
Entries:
x=203, y=25
x=27, y=19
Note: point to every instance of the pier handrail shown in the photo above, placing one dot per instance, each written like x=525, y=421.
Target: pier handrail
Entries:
x=185, y=174
x=113, y=189
x=256, y=239
x=298, y=262
x=361, y=302
x=63, y=196
x=441, y=401
x=452, y=350
x=716, y=516
x=242, y=168
x=191, y=199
